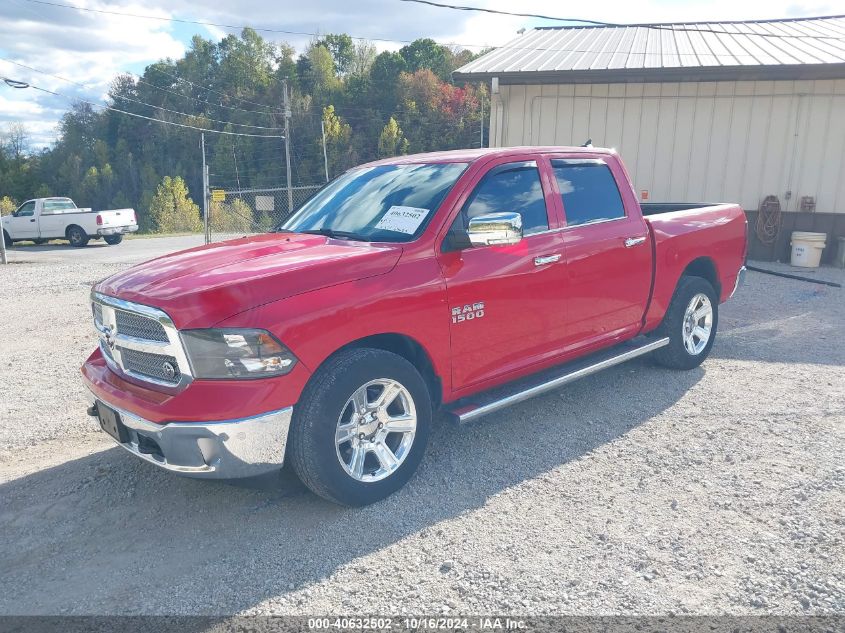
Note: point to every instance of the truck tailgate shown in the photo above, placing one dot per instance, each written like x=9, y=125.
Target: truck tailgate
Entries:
x=117, y=217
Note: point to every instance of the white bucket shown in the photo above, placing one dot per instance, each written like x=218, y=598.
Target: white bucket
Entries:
x=807, y=248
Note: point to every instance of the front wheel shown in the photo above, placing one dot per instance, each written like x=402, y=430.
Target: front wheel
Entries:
x=361, y=427
x=77, y=237
x=111, y=240
x=7, y=240
x=690, y=323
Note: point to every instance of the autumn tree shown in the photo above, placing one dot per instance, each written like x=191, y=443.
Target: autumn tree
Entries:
x=172, y=210
x=7, y=205
x=392, y=141
x=338, y=134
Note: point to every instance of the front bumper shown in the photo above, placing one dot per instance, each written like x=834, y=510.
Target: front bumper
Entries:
x=118, y=230
x=226, y=449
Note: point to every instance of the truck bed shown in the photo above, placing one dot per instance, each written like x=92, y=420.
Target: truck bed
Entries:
x=717, y=232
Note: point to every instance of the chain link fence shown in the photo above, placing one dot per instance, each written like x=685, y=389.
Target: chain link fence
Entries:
x=243, y=212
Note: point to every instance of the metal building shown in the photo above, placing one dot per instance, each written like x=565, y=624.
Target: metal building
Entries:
x=723, y=111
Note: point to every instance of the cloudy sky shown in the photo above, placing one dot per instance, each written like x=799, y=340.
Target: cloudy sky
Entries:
x=91, y=48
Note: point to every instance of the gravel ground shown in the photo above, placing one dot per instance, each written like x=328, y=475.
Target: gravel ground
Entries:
x=636, y=491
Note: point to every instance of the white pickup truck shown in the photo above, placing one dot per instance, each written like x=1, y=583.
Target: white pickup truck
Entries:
x=45, y=219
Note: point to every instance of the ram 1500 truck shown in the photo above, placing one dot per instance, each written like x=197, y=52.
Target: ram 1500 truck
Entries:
x=461, y=281
x=46, y=219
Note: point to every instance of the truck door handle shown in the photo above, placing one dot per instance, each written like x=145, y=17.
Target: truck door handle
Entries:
x=32, y=220
x=634, y=241
x=546, y=259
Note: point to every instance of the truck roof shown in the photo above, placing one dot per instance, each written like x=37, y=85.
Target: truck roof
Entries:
x=471, y=155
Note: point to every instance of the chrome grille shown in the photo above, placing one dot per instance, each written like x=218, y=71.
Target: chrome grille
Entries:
x=140, y=342
x=153, y=365
x=139, y=326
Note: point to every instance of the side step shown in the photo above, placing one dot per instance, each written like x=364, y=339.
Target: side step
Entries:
x=481, y=404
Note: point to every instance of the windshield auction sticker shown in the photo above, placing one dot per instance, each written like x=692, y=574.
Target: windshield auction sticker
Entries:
x=402, y=219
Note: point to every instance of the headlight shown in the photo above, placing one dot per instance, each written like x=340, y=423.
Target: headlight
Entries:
x=236, y=353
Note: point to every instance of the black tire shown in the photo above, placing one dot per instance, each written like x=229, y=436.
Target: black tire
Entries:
x=676, y=355
x=112, y=240
x=77, y=237
x=311, y=447
x=7, y=240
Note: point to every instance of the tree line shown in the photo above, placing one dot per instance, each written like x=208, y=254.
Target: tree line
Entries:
x=370, y=105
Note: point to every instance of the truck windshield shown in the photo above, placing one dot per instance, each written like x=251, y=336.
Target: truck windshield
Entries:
x=385, y=203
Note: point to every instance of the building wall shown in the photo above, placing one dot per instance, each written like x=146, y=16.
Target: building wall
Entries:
x=735, y=141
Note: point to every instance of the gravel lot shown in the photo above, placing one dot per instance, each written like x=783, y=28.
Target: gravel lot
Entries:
x=639, y=490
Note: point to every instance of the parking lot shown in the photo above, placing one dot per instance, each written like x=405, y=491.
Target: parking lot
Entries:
x=638, y=491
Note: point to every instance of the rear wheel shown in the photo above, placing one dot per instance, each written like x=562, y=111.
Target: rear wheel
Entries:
x=113, y=239
x=361, y=427
x=77, y=237
x=690, y=323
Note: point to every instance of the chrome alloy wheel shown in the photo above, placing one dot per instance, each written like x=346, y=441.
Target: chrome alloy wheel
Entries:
x=698, y=324
x=375, y=430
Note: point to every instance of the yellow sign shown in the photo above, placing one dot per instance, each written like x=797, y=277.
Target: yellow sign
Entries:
x=218, y=195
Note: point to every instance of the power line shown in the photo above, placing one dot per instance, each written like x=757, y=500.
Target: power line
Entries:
x=133, y=114
x=144, y=103
x=647, y=25
x=139, y=79
x=466, y=45
x=204, y=23
x=519, y=15
x=163, y=72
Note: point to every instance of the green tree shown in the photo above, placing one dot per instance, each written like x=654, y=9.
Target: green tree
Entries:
x=392, y=141
x=323, y=77
x=172, y=210
x=342, y=51
x=426, y=53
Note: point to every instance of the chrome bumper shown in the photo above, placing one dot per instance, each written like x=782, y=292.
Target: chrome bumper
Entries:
x=227, y=449
x=120, y=230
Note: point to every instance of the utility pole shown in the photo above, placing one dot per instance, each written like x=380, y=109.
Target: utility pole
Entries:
x=481, y=102
x=325, y=159
x=204, y=192
x=3, y=248
x=287, y=143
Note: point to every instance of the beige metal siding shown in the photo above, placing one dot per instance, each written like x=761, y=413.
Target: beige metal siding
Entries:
x=709, y=141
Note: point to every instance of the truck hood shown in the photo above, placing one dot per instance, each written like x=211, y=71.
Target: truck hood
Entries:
x=202, y=286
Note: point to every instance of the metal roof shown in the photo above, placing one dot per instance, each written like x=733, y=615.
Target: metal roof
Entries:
x=787, y=49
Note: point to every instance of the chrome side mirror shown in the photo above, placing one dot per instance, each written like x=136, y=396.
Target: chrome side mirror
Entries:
x=495, y=229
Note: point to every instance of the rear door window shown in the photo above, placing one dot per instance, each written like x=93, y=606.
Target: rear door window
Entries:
x=589, y=192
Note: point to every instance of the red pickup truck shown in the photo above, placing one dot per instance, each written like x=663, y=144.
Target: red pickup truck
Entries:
x=460, y=281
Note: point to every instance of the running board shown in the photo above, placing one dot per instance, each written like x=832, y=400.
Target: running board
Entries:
x=476, y=406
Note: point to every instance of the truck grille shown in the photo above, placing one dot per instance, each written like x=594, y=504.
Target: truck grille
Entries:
x=154, y=365
x=139, y=326
x=140, y=342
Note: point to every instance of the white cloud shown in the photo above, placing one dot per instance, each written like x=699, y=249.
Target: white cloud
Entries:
x=87, y=48
x=91, y=48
